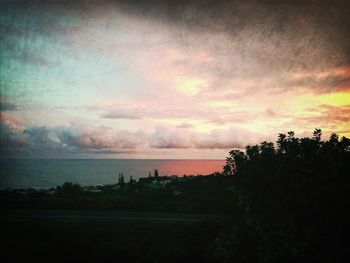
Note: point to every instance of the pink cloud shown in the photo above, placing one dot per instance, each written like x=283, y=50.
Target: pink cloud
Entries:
x=216, y=139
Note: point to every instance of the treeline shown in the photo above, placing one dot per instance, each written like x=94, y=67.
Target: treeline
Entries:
x=290, y=201
x=200, y=194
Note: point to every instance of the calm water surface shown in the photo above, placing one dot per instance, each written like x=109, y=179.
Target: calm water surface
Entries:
x=45, y=173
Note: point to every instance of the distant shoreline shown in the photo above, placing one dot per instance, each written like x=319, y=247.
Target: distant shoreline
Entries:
x=48, y=173
x=117, y=159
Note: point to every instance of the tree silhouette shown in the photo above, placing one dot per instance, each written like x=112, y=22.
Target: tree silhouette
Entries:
x=121, y=180
x=69, y=190
x=289, y=201
x=156, y=173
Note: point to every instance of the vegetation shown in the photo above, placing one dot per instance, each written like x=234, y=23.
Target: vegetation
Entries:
x=203, y=194
x=289, y=201
x=282, y=202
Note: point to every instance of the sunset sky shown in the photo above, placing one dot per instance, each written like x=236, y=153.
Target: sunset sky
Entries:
x=169, y=79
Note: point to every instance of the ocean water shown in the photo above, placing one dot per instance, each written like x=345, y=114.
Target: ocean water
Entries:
x=45, y=173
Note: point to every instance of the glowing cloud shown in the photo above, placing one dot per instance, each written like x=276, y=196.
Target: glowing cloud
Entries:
x=169, y=80
x=189, y=86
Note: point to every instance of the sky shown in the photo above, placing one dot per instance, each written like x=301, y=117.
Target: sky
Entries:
x=169, y=79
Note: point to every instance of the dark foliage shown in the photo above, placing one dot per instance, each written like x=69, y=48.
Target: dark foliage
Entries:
x=202, y=194
x=290, y=201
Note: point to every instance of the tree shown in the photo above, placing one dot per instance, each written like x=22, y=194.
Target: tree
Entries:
x=69, y=190
x=156, y=173
x=317, y=135
x=121, y=180
x=237, y=159
x=281, y=143
x=289, y=201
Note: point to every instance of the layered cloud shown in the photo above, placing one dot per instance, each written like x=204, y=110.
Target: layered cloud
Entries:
x=169, y=78
x=86, y=140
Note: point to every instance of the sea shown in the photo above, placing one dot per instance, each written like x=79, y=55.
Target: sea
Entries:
x=47, y=173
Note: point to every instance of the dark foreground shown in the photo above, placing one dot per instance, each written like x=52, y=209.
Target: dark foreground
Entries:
x=75, y=236
x=284, y=204
x=23, y=215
